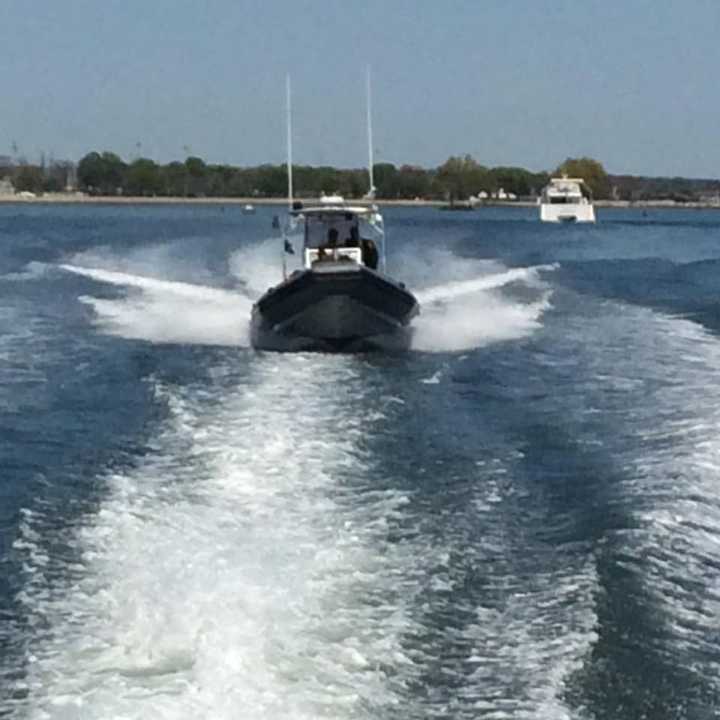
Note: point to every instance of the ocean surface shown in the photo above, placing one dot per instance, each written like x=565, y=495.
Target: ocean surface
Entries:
x=520, y=518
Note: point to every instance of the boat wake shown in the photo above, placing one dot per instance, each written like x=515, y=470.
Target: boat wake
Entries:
x=293, y=574
x=233, y=571
x=648, y=416
x=464, y=303
x=163, y=311
x=256, y=267
x=493, y=304
x=672, y=487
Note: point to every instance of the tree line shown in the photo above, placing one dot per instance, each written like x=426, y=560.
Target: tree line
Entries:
x=54, y=176
x=457, y=179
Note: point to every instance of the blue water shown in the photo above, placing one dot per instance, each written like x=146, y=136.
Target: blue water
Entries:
x=517, y=519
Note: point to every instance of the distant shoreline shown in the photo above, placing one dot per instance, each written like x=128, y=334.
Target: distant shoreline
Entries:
x=71, y=199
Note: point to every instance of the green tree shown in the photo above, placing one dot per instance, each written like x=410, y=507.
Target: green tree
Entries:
x=197, y=176
x=460, y=177
x=240, y=183
x=175, y=179
x=271, y=180
x=220, y=180
x=413, y=181
x=385, y=178
x=513, y=180
x=101, y=174
x=591, y=171
x=353, y=183
x=90, y=172
x=143, y=177
x=29, y=178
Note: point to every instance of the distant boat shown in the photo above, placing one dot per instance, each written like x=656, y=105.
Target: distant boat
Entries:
x=248, y=209
x=337, y=298
x=566, y=200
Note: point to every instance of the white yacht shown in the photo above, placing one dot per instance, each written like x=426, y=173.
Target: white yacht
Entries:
x=566, y=200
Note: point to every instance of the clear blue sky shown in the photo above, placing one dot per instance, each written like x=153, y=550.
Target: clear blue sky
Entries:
x=630, y=82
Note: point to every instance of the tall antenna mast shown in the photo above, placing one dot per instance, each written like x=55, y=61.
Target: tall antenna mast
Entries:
x=289, y=142
x=371, y=192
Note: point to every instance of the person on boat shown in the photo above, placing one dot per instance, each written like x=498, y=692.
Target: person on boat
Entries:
x=354, y=239
x=369, y=253
x=328, y=251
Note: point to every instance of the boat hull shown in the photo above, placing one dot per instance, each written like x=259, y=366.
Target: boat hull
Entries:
x=567, y=212
x=338, y=307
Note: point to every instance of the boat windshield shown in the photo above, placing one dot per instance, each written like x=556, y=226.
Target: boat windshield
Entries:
x=336, y=230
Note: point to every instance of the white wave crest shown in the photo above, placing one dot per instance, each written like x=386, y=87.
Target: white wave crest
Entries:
x=464, y=314
x=165, y=311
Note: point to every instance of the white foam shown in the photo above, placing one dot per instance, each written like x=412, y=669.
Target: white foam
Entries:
x=164, y=311
x=474, y=322
x=674, y=483
x=248, y=568
x=167, y=310
x=535, y=625
x=431, y=266
x=435, y=378
x=463, y=314
x=462, y=310
x=543, y=633
x=657, y=379
x=258, y=267
x=459, y=288
x=231, y=573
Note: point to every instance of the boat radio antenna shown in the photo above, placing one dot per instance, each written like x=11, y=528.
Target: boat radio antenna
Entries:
x=289, y=141
x=371, y=192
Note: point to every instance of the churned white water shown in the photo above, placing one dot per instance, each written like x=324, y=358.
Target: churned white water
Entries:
x=164, y=311
x=246, y=569
x=245, y=566
x=234, y=573
x=462, y=303
x=655, y=380
x=674, y=482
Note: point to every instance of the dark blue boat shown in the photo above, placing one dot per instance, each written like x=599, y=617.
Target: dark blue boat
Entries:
x=339, y=298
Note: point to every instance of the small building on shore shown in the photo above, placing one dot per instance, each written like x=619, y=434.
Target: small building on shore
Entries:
x=6, y=187
x=711, y=199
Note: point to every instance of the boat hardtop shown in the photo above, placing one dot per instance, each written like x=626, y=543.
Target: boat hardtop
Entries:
x=336, y=204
